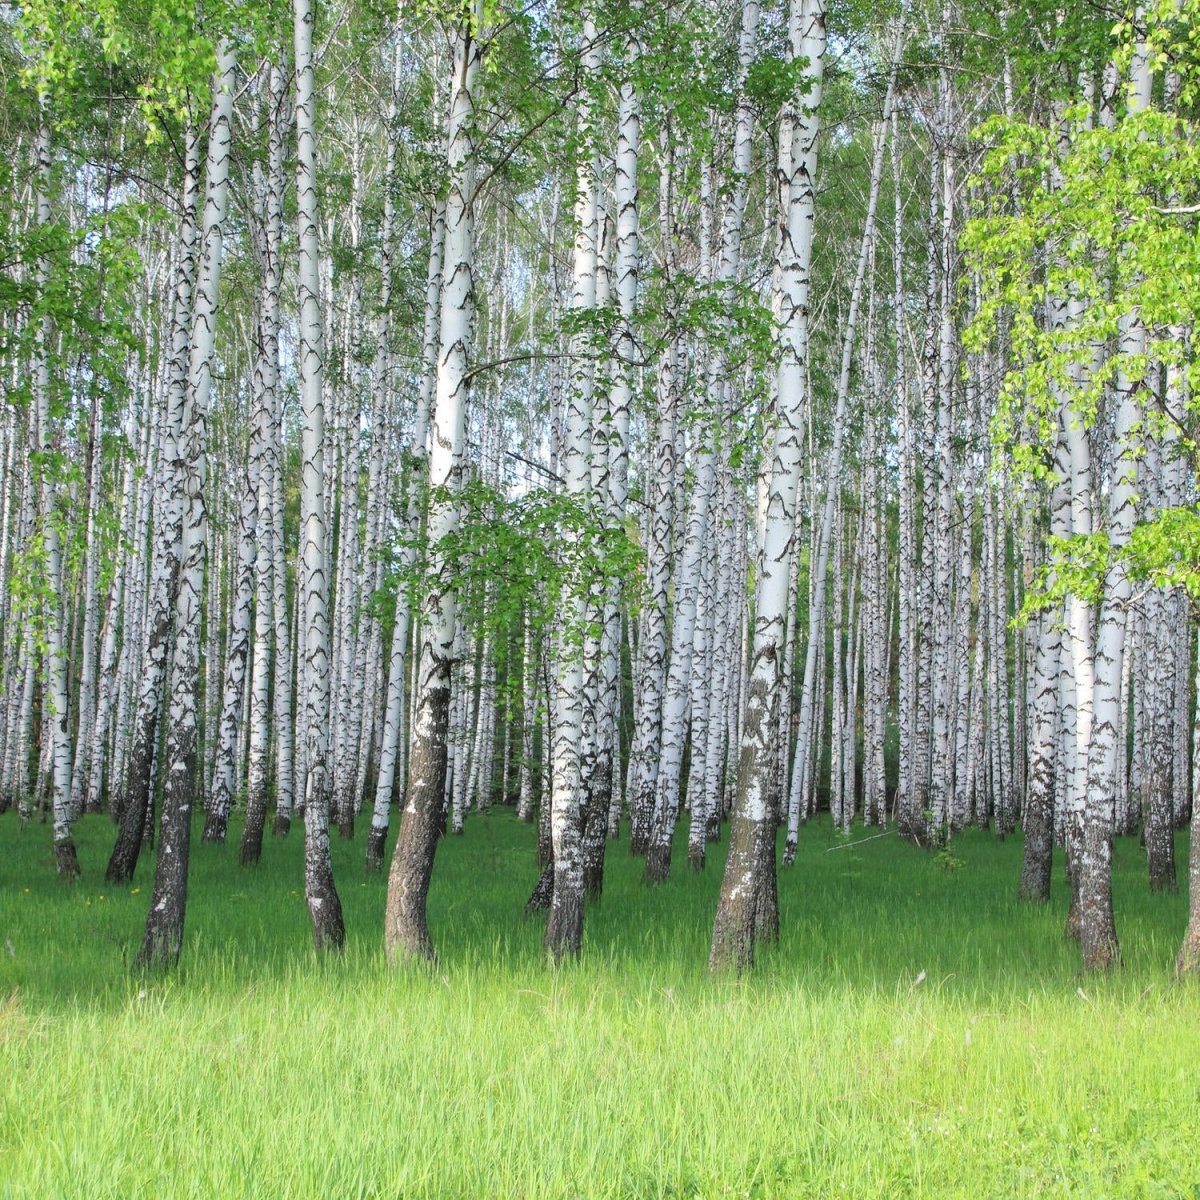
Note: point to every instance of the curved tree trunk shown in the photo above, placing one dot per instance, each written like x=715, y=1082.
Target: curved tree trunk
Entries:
x=406, y=931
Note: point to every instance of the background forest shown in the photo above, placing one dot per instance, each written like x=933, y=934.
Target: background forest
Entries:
x=734, y=459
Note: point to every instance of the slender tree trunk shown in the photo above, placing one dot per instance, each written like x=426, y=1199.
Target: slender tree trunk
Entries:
x=54, y=699
x=564, y=929
x=1106, y=745
x=748, y=908
x=406, y=932
x=1188, y=960
x=653, y=646
x=598, y=820
x=324, y=905
x=269, y=192
x=414, y=483
x=133, y=804
x=163, y=939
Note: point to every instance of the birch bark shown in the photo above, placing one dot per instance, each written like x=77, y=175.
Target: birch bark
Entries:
x=406, y=931
x=269, y=193
x=320, y=892
x=564, y=929
x=163, y=938
x=748, y=907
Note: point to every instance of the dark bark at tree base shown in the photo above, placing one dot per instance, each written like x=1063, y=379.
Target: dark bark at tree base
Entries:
x=325, y=909
x=128, y=847
x=163, y=938
x=595, y=826
x=216, y=827
x=376, y=841
x=639, y=826
x=789, y=852
x=1071, y=852
x=543, y=891
x=406, y=928
x=1097, y=929
x=593, y=879
x=282, y=825
x=66, y=861
x=712, y=828
x=1038, y=858
x=748, y=911
x=564, y=929
x=1188, y=961
x=1126, y=824
x=658, y=862
x=1160, y=851
x=696, y=857
x=1163, y=877
x=766, y=909
x=320, y=891
x=1071, y=927
x=545, y=846
x=136, y=815
x=345, y=828
x=250, y=850
x=1102, y=951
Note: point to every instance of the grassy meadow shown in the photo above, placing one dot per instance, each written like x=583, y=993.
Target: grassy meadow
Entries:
x=918, y=1032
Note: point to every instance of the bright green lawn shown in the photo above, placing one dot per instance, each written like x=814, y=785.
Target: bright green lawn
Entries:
x=257, y=1071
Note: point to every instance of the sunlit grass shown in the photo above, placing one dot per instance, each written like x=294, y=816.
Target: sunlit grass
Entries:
x=831, y=1071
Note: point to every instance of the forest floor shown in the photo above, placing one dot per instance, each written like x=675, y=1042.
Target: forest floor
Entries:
x=918, y=1032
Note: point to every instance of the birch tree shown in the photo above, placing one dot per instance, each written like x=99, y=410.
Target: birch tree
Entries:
x=748, y=909
x=320, y=892
x=406, y=931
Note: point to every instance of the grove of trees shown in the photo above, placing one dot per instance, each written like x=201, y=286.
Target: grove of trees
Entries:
x=633, y=413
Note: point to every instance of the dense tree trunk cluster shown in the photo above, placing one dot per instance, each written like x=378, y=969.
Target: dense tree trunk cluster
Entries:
x=686, y=423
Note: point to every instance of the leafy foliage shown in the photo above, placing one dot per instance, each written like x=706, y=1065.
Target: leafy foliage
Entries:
x=513, y=556
x=1088, y=225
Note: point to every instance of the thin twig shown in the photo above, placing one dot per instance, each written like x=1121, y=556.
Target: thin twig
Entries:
x=872, y=838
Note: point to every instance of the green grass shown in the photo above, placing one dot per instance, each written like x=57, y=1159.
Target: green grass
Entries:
x=258, y=1071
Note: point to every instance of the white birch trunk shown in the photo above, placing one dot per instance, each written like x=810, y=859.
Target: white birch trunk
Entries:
x=324, y=905
x=54, y=701
x=405, y=930
x=564, y=930
x=748, y=907
x=164, y=924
